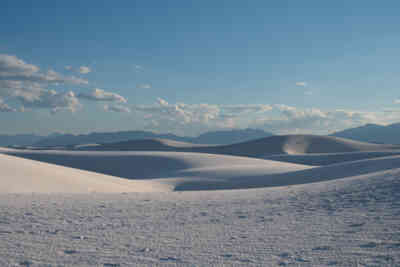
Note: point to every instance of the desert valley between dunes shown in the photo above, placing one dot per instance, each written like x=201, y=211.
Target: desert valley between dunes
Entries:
x=296, y=200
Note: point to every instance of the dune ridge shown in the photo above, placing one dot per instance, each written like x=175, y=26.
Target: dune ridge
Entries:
x=279, y=144
x=167, y=171
x=152, y=165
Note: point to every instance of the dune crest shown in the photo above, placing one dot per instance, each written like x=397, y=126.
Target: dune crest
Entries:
x=146, y=171
x=279, y=144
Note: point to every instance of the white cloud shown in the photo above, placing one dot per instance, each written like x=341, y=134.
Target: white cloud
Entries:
x=101, y=95
x=397, y=101
x=138, y=67
x=14, y=69
x=248, y=108
x=68, y=67
x=52, y=100
x=84, y=70
x=191, y=119
x=312, y=120
x=162, y=102
x=144, y=86
x=117, y=108
x=301, y=84
x=11, y=65
x=24, y=84
x=5, y=108
x=308, y=92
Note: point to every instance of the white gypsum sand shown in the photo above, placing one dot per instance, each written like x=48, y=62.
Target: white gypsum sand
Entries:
x=346, y=222
x=20, y=175
x=340, y=209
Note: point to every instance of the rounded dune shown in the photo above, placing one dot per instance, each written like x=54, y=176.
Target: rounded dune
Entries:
x=273, y=145
x=20, y=175
x=152, y=164
x=323, y=159
x=305, y=176
x=164, y=171
x=156, y=144
x=301, y=144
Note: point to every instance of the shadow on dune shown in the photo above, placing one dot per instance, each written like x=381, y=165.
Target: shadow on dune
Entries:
x=279, y=144
x=130, y=167
x=200, y=171
x=319, y=174
x=330, y=158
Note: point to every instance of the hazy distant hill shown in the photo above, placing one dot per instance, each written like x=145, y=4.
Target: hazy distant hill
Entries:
x=373, y=133
x=19, y=139
x=217, y=137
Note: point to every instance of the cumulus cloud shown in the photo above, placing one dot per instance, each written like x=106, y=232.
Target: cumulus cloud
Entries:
x=5, y=108
x=117, y=108
x=52, y=100
x=249, y=108
x=84, y=70
x=25, y=84
x=397, y=101
x=15, y=69
x=301, y=84
x=313, y=120
x=162, y=102
x=193, y=118
x=11, y=65
x=182, y=118
x=81, y=69
x=101, y=95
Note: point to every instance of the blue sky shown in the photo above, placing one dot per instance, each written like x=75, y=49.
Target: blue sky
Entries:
x=191, y=66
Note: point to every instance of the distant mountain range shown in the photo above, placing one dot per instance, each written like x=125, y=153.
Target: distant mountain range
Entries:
x=216, y=137
x=19, y=139
x=373, y=133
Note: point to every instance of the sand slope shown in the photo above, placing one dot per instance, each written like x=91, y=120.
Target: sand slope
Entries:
x=156, y=144
x=347, y=222
x=184, y=170
x=323, y=159
x=20, y=175
x=300, y=144
x=294, y=215
x=151, y=165
x=305, y=176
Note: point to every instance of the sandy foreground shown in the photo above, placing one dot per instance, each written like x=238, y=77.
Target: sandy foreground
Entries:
x=76, y=208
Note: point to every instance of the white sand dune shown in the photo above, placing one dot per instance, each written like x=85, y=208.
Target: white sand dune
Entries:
x=314, y=218
x=305, y=176
x=20, y=175
x=156, y=144
x=151, y=165
x=323, y=159
x=301, y=144
x=282, y=144
x=194, y=171
x=347, y=222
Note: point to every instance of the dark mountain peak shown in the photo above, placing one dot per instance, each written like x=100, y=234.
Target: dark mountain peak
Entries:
x=19, y=139
x=373, y=133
